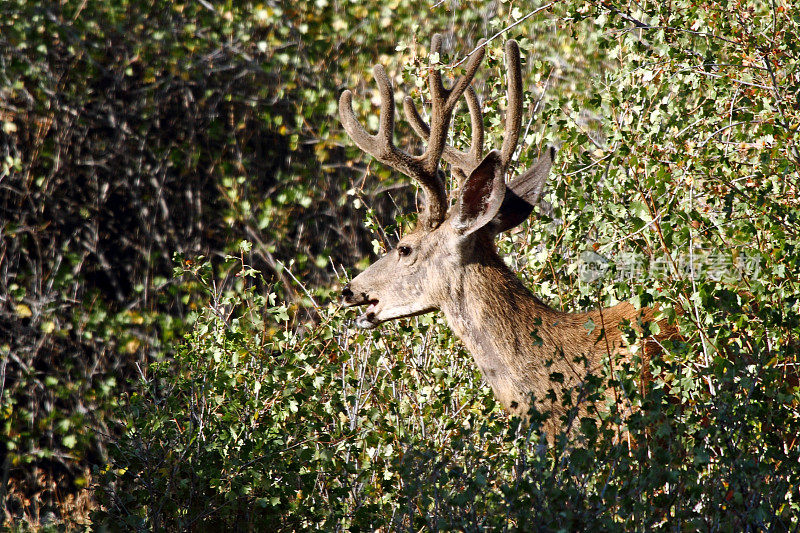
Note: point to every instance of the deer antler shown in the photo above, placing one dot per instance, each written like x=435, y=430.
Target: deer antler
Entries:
x=514, y=109
x=423, y=168
x=463, y=163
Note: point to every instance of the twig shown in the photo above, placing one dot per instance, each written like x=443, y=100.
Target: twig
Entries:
x=501, y=32
x=723, y=128
x=644, y=26
x=774, y=89
x=635, y=233
x=299, y=283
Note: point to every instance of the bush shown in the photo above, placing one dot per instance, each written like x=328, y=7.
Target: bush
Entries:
x=219, y=397
x=256, y=426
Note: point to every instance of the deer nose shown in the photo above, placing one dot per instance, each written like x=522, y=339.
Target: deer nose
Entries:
x=347, y=293
x=353, y=298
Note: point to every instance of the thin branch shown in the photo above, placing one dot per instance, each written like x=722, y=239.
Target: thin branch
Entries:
x=774, y=89
x=644, y=26
x=299, y=283
x=501, y=32
x=726, y=127
x=592, y=164
x=736, y=80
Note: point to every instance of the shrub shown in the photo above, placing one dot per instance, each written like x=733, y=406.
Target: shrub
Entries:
x=676, y=184
x=257, y=425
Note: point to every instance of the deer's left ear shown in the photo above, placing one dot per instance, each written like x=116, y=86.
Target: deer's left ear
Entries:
x=524, y=193
x=481, y=195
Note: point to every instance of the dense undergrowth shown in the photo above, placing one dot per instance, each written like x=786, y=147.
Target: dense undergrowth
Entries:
x=232, y=391
x=255, y=426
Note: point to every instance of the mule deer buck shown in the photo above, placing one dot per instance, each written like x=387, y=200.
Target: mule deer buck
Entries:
x=450, y=262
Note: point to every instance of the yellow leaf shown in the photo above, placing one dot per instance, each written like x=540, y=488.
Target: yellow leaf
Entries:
x=23, y=311
x=132, y=345
x=136, y=318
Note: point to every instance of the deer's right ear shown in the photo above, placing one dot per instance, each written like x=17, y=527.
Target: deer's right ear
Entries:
x=524, y=193
x=481, y=195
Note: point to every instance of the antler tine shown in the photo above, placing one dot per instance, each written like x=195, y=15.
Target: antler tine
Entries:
x=375, y=145
x=381, y=146
x=425, y=167
x=443, y=101
x=476, y=122
x=514, y=109
x=462, y=162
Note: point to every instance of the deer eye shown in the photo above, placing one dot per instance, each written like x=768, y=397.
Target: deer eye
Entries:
x=404, y=251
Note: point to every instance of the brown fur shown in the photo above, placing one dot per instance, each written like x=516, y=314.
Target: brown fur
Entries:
x=494, y=314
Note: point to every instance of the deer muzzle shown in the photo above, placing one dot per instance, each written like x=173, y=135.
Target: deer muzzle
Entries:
x=368, y=319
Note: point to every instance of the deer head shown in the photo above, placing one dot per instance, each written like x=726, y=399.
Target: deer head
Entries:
x=420, y=274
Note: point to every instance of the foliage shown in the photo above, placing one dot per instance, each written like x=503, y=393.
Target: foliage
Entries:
x=256, y=426
x=136, y=129
x=132, y=130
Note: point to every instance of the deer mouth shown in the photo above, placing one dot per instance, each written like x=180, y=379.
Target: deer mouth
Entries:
x=369, y=318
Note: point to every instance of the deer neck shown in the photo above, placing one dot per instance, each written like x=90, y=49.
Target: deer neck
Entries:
x=517, y=341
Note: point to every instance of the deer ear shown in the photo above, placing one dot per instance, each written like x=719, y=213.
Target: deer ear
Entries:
x=524, y=193
x=481, y=195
